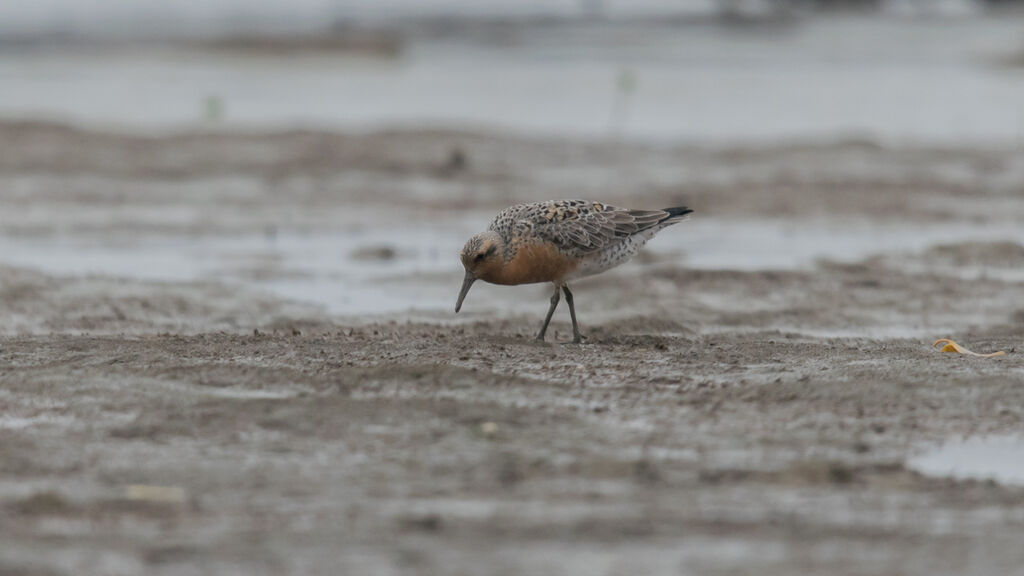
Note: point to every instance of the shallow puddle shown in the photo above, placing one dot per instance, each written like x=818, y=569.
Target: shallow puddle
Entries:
x=572, y=70
x=999, y=458
x=422, y=271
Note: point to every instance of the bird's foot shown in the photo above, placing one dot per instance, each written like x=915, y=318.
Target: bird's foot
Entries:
x=577, y=338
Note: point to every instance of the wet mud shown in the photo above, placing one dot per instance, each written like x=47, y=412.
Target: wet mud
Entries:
x=716, y=420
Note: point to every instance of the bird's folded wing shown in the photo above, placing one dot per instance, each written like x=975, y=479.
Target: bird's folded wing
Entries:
x=590, y=230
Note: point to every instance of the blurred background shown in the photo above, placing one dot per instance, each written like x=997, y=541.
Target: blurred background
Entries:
x=693, y=70
x=324, y=150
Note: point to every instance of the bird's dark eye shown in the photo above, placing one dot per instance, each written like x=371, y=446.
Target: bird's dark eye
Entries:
x=480, y=257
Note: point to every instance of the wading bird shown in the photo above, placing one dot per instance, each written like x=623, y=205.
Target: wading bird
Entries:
x=558, y=241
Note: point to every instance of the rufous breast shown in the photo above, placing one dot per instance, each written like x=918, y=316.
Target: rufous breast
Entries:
x=533, y=262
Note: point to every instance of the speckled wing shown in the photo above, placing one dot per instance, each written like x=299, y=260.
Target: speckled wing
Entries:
x=578, y=227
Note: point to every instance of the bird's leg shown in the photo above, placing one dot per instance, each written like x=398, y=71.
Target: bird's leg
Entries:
x=576, y=337
x=551, y=312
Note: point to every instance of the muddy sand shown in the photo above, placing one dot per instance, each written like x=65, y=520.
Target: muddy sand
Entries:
x=760, y=417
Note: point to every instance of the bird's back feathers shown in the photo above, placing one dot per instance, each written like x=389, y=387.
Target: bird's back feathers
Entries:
x=579, y=227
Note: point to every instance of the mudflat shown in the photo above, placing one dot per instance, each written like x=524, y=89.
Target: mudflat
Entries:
x=758, y=414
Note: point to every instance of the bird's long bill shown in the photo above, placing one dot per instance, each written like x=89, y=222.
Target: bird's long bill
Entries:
x=466, y=283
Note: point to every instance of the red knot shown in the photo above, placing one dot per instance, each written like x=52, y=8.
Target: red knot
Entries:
x=558, y=241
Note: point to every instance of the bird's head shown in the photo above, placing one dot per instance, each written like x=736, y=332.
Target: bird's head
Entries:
x=482, y=258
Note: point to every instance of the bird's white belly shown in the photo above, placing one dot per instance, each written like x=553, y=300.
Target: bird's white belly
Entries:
x=610, y=257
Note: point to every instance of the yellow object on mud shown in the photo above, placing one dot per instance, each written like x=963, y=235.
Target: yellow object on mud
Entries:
x=951, y=346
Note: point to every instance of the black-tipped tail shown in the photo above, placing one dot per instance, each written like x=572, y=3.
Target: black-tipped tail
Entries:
x=676, y=214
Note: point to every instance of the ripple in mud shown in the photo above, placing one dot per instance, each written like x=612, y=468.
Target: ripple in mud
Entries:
x=1001, y=254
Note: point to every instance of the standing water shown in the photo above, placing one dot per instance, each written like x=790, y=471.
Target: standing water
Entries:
x=998, y=458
